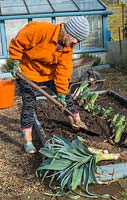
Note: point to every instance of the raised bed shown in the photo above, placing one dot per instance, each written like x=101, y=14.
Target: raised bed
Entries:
x=49, y=121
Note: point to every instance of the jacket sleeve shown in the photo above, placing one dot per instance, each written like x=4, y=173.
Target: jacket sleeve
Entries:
x=26, y=39
x=63, y=73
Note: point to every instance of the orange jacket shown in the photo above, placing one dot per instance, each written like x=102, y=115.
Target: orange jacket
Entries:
x=36, y=47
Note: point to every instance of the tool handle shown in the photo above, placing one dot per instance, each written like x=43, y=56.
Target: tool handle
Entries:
x=52, y=99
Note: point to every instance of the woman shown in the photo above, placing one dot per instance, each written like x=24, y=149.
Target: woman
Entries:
x=42, y=52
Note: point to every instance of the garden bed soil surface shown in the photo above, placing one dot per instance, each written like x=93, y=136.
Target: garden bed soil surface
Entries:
x=55, y=122
x=17, y=169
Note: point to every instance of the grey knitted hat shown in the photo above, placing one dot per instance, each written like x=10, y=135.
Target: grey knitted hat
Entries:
x=78, y=27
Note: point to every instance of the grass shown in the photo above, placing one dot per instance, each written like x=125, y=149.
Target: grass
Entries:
x=123, y=195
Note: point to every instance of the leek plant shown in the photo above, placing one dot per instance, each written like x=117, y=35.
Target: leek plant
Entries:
x=118, y=124
x=86, y=98
x=72, y=165
x=106, y=112
x=78, y=93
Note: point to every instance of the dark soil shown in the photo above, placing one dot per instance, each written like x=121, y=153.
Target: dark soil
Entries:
x=17, y=169
x=116, y=79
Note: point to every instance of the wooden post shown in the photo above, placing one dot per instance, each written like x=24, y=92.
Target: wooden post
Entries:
x=123, y=19
x=120, y=41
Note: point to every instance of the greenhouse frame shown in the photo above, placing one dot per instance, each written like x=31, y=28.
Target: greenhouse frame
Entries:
x=15, y=15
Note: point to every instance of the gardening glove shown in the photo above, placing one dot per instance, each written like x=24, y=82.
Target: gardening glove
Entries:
x=76, y=121
x=16, y=68
x=62, y=99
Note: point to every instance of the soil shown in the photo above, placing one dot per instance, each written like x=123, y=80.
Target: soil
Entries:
x=116, y=79
x=17, y=169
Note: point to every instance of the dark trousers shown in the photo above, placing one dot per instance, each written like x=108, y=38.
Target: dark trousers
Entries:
x=29, y=101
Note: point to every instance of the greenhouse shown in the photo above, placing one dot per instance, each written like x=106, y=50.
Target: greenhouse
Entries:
x=14, y=16
x=63, y=99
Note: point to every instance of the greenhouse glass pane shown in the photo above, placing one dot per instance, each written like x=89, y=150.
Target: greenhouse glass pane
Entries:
x=14, y=10
x=7, y=3
x=40, y=9
x=38, y=6
x=61, y=19
x=12, y=28
x=63, y=5
x=36, y=2
x=95, y=39
x=9, y=8
x=42, y=20
x=88, y=5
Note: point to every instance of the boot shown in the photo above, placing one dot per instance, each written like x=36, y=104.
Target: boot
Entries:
x=76, y=122
x=26, y=133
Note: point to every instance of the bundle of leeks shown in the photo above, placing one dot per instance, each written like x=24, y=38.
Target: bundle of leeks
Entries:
x=72, y=165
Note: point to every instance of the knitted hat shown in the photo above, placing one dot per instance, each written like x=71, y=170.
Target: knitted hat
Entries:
x=78, y=27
